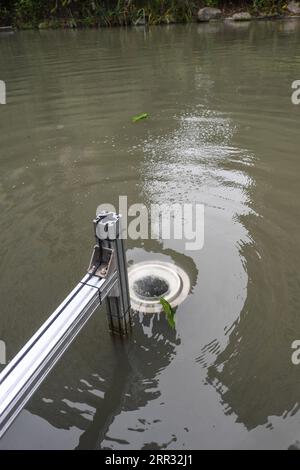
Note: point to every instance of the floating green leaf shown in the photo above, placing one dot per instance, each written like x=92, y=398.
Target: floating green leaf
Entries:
x=170, y=313
x=139, y=117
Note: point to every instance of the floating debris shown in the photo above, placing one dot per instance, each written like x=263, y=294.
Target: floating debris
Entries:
x=170, y=313
x=138, y=117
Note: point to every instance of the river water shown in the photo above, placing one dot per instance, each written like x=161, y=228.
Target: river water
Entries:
x=223, y=132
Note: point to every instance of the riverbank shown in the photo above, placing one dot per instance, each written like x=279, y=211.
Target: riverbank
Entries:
x=36, y=14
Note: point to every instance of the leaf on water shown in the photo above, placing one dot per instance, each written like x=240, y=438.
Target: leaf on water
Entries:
x=170, y=313
x=138, y=117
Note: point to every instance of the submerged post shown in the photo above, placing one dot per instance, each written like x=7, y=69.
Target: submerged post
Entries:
x=106, y=279
x=108, y=237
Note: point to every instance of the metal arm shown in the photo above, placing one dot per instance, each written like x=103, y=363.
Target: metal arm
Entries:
x=106, y=278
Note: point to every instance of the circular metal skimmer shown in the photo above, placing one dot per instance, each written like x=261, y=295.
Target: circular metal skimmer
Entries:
x=151, y=280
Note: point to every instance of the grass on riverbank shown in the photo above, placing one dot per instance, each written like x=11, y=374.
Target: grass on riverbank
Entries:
x=95, y=13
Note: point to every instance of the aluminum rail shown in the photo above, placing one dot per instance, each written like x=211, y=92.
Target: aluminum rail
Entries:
x=23, y=375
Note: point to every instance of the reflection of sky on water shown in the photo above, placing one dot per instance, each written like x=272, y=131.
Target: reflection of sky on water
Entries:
x=198, y=163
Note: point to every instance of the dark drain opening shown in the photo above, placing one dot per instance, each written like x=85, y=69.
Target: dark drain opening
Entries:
x=150, y=287
x=150, y=280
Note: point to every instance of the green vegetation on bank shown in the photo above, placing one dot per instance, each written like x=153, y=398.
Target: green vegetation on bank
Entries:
x=94, y=13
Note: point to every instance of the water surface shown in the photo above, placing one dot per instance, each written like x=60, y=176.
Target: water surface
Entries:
x=223, y=132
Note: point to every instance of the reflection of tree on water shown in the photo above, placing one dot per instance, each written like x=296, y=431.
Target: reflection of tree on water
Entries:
x=121, y=374
x=123, y=378
x=135, y=381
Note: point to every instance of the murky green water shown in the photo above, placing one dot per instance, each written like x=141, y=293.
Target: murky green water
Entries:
x=222, y=132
